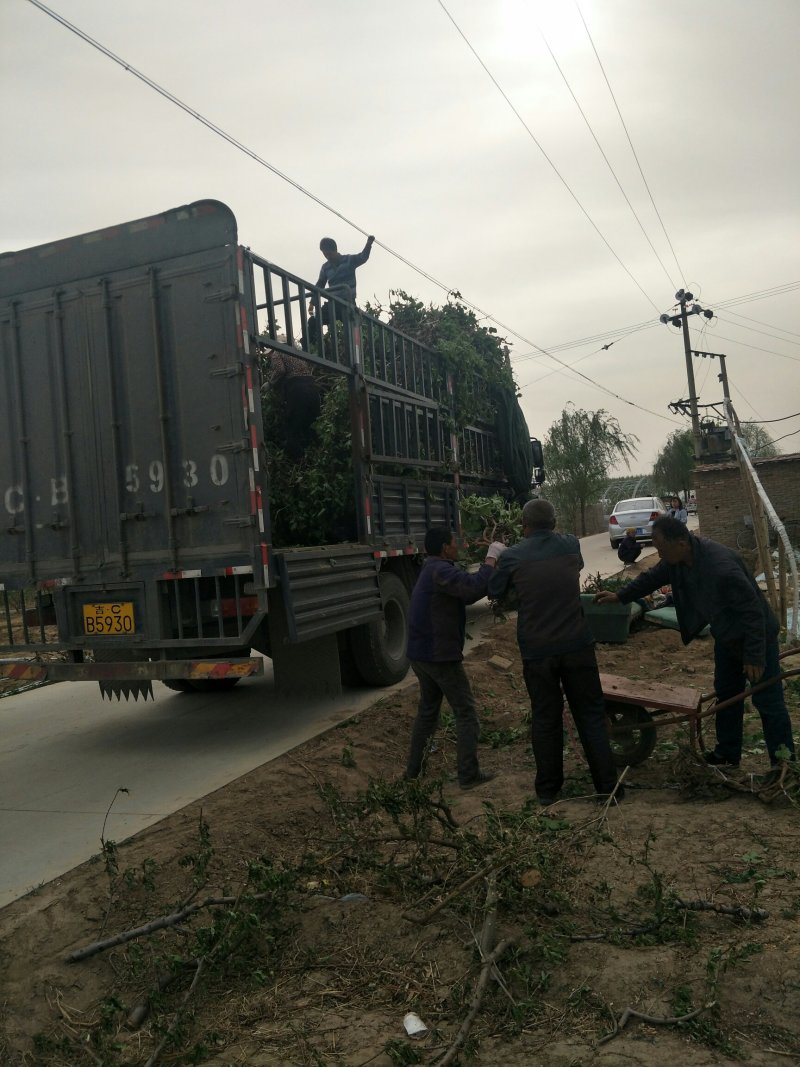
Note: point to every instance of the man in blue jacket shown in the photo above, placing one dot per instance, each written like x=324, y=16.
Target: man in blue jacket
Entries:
x=557, y=649
x=436, y=633
x=711, y=585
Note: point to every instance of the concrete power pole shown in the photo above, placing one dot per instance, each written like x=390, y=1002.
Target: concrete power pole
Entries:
x=681, y=320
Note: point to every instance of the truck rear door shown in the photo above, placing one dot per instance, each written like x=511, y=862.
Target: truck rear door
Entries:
x=130, y=432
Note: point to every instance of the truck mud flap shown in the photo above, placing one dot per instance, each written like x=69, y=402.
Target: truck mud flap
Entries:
x=325, y=590
x=127, y=690
x=124, y=687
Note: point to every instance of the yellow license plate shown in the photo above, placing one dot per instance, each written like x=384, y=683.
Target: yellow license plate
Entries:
x=109, y=619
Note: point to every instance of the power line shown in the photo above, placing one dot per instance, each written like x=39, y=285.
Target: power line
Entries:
x=771, y=325
x=265, y=163
x=748, y=402
x=756, y=348
x=627, y=330
x=630, y=142
x=605, y=157
x=785, y=436
x=557, y=370
x=767, y=421
x=765, y=333
x=619, y=334
x=538, y=144
x=762, y=294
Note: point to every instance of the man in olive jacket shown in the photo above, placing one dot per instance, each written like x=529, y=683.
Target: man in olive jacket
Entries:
x=711, y=585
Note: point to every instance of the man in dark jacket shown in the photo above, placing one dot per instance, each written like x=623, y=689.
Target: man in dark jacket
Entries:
x=436, y=633
x=711, y=585
x=557, y=648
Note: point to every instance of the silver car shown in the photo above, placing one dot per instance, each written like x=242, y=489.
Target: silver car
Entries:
x=640, y=513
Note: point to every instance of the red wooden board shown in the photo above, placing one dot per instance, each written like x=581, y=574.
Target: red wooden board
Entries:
x=650, y=694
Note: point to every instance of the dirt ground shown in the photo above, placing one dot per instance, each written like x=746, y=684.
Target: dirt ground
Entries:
x=349, y=898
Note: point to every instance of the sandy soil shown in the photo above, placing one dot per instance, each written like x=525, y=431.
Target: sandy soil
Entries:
x=353, y=899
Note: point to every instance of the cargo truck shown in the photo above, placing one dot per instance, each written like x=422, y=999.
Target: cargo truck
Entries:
x=136, y=541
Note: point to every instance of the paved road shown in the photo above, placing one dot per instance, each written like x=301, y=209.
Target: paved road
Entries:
x=599, y=558
x=64, y=752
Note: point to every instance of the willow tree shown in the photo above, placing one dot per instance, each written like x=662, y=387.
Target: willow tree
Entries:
x=674, y=464
x=580, y=448
x=758, y=441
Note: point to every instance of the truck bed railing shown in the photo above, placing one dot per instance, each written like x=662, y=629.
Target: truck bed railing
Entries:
x=410, y=402
x=27, y=620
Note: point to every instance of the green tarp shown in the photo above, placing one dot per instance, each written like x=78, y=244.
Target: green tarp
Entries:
x=668, y=617
x=514, y=441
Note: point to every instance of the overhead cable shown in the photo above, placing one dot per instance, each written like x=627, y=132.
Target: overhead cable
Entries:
x=766, y=422
x=605, y=157
x=785, y=436
x=765, y=333
x=621, y=333
x=265, y=163
x=771, y=325
x=630, y=142
x=741, y=394
x=538, y=144
x=756, y=348
x=762, y=294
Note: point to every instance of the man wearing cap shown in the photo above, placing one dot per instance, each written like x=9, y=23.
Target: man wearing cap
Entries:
x=557, y=649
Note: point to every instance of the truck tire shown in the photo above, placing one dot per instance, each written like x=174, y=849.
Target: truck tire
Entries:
x=179, y=685
x=213, y=685
x=202, y=685
x=633, y=733
x=379, y=648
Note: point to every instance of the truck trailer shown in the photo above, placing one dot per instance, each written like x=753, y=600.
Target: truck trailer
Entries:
x=137, y=540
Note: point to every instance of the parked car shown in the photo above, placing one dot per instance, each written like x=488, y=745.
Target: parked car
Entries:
x=691, y=507
x=640, y=513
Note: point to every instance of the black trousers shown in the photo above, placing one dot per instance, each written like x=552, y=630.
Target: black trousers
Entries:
x=577, y=672
x=301, y=396
x=330, y=311
x=437, y=682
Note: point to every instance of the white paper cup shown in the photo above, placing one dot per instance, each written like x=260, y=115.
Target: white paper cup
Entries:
x=414, y=1026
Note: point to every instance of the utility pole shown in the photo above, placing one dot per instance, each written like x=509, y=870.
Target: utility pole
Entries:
x=681, y=320
x=723, y=377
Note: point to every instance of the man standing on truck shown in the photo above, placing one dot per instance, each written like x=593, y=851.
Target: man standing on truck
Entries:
x=436, y=632
x=557, y=649
x=338, y=274
x=710, y=584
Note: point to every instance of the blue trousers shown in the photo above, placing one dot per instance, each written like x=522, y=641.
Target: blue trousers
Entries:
x=729, y=679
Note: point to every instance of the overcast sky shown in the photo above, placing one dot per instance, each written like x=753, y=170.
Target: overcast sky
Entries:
x=380, y=109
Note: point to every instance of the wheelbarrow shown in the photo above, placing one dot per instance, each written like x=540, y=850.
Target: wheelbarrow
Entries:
x=637, y=709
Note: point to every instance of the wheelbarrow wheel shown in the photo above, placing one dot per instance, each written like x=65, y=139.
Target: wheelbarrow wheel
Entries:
x=633, y=735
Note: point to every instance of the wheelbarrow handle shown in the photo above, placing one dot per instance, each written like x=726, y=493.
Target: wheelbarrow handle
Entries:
x=730, y=701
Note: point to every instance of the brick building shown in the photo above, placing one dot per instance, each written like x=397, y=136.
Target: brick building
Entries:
x=721, y=505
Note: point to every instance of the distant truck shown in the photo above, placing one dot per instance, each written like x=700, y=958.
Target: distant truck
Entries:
x=137, y=539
